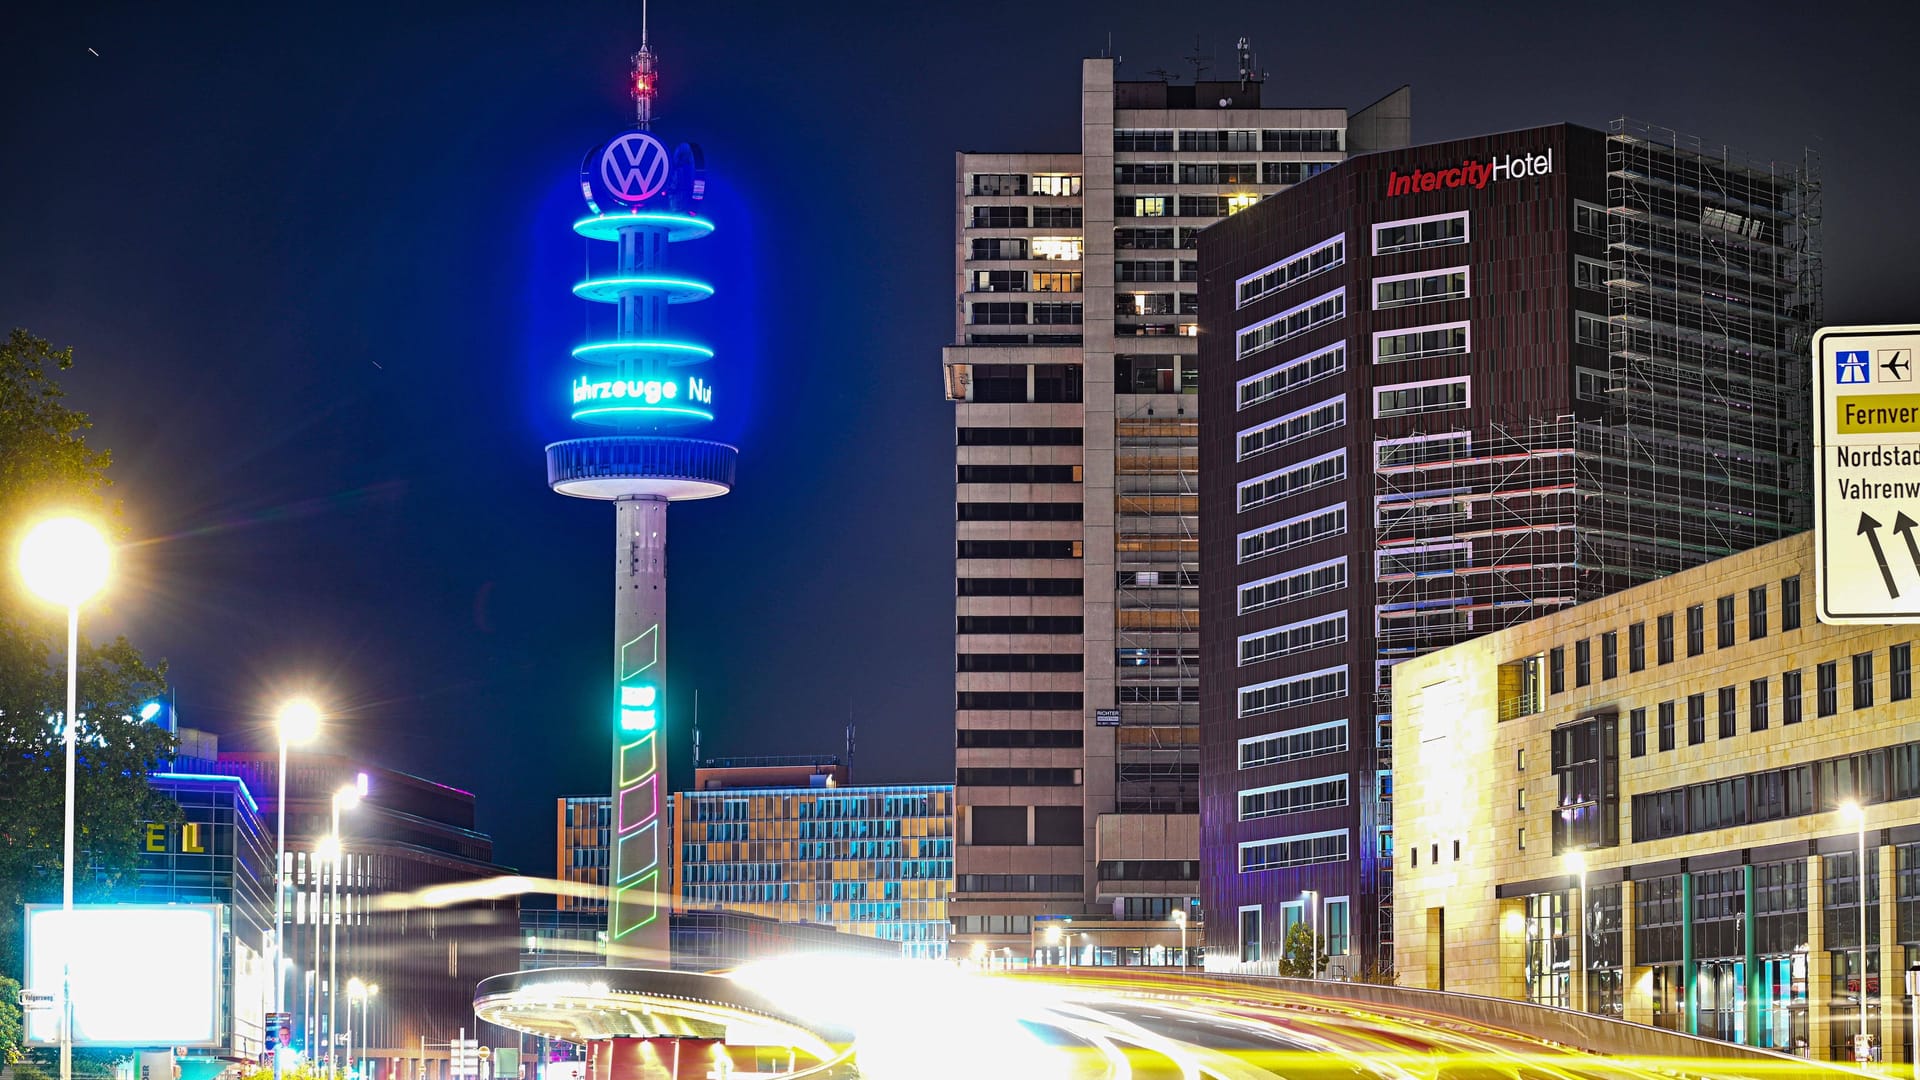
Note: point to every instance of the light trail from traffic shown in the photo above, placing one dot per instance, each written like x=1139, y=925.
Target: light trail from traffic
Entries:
x=924, y=1020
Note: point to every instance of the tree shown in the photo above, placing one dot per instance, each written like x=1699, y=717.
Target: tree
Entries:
x=11, y=1033
x=1303, y=954
x=46, y=466
x=1380, y=971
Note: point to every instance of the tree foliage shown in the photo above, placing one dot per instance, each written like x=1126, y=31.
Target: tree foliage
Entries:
x=47, y=467
x=1304, y=953
x=10, y=1030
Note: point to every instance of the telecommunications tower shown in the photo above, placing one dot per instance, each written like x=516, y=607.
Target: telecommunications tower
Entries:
x=640, y=383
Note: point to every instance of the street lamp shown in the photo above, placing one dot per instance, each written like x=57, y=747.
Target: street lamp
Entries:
x=1858, y=814
x=298, y=722
x=1577, y=978
x=356, y=992
x=65, y=561
x=1311, y=897
x=348, y=797
x=1180, y=920
x=362, y=993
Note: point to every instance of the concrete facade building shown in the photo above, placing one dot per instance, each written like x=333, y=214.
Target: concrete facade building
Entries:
x=1693, y=744
x=1074, y=369
x=1461, y=386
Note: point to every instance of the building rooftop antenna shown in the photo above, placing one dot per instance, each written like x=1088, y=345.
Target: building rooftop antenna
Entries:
x=645, y=77
x=1200, y=61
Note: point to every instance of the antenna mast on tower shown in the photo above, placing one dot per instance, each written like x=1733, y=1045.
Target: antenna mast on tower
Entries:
x=645, y=76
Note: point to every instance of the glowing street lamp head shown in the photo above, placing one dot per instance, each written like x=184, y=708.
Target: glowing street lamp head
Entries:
x=356, y=989
x=347, y=797
x=328, y=850
x=1179, y=917
x=65, y=561
x=299, y=721
x=1576, y=862
x=1853, y=811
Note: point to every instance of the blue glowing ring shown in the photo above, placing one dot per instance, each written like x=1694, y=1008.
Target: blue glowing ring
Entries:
x=612, y=290
x=673, y=352
x=678, y=226
x=614, y=415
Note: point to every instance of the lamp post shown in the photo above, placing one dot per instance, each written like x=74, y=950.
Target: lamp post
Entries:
x=366, y=1018
x=298, y=722
x=1053, y=939
x=325, y=853
x=65, y=561
x=1311, y=899
x=1858, y=814
x=356, y=992
x=1577, y=977
x=1180, y=920
x=348, y=796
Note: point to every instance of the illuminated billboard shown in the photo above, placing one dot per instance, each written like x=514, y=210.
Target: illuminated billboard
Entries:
x=142, y=974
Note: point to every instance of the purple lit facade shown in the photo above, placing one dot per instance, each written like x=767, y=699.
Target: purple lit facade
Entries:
x=1451, y=388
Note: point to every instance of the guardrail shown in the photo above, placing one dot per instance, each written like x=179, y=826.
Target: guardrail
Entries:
x=1586, y=1031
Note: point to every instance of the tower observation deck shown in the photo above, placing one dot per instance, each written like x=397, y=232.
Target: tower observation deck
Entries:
x=647, y=389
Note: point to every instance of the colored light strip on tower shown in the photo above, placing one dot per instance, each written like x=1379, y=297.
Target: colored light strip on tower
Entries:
x=634, y=878
x=600, y=352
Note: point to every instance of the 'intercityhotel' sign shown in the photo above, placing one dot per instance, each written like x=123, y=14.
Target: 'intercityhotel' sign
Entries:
x=1470, y=173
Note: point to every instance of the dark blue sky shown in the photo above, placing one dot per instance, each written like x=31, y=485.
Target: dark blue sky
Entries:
x=315, y=263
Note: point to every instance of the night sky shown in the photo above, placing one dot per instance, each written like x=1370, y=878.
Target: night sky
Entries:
x=315, y=264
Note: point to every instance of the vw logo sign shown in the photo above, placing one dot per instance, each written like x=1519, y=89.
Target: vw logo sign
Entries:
x=633, y=167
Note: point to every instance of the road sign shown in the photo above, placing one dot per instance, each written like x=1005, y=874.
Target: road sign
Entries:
x=1866, y=485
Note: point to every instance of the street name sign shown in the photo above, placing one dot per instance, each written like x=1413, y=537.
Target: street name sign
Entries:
x=1866, y=484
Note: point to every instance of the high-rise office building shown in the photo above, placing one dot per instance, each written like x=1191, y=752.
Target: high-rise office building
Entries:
x=1073, y=370
x=1456, y=387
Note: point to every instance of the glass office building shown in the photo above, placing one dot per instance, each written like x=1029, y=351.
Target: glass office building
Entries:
x=220, y=851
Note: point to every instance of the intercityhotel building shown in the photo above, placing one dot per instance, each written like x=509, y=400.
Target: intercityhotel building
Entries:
x=1695, y=745
x=1452, y=388
x=1073, y=372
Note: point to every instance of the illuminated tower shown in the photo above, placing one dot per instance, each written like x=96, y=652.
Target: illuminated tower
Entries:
x=641, y=385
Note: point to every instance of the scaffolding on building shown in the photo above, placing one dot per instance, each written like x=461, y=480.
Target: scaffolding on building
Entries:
x=1156, y=608
x=1697, y=441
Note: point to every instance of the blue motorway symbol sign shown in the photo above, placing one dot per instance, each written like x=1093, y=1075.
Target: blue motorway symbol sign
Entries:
x=1850, y=366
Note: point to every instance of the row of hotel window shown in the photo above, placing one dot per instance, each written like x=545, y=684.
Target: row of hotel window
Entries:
x=1267, y=140
x=1014, y=248
x=1072, y=248
x=1125, y=206
x=1218, y=172
x=1335, y=929
x=1389, y=237
x=1069, y=700
x=1057, y=185
x=1792, y=701
x=1398, y=290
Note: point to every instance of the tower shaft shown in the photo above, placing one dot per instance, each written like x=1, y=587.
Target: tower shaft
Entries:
x=636, y=903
